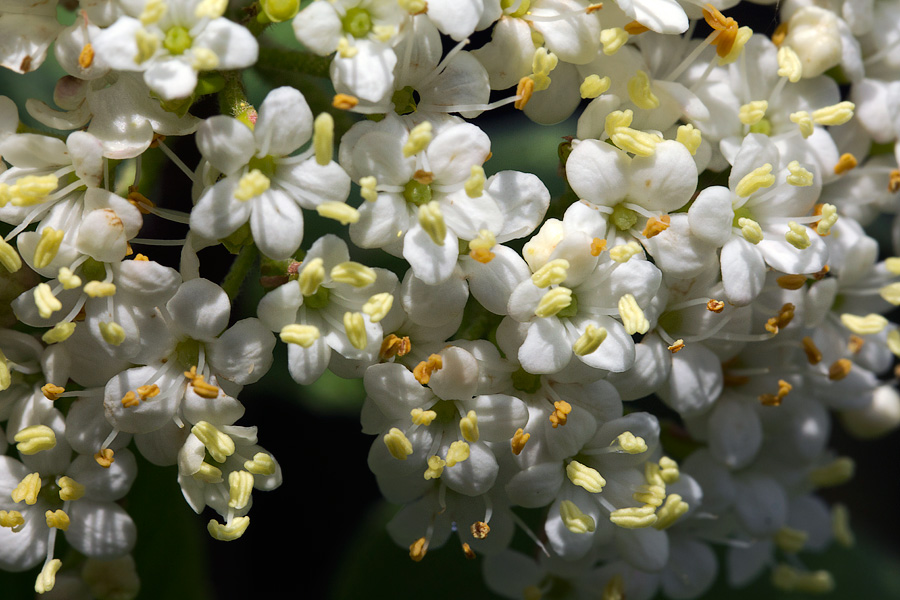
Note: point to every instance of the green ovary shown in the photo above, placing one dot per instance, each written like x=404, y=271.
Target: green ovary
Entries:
x=177, y=40
x=623, y=218
x=417, y=193
x=764, y=126
x=319, y=299
x=741, y=213
x=357, y=22
x=266, y=165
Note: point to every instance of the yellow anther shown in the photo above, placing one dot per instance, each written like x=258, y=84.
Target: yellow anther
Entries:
x=632, y=316
x=653, y=475
x=211, y=9
x=758, y=178
x=457, y=453
x=240, y=485
x=311, y=276
x=894, y=181
x=147, y=45
x=480, y=530
x=590, y=340
x=813, y=354
x=524, y=91
x=204, y=59
x=383, y=33
x=104, y=457
x=52, y=392
x=670, y=512
x=839, y=369
x=419, y=138
x=251, y=185
x=655, y=226
x=230, y=531
x=207, y=473
x=789, y=64
x=791, y=282
x=323, y=138
x=891, y=293
x=432, y=221
x=219, y=445
x=153, y=11
x=69, y=489
x=784, y=388
x=345, y=49
x=623, y=252
x=393, y=346
x=480, y=247
x=845, y=163
x=804, y=122
x=585, y=477
x=789, y=579
x=652, y=495
x=413, y=7
x=575, y=520
x=338, y=211
x=5, y=375
x=48, y=247
x=628, y=139
x=867, y=325
x=636, y=517
x=112, y=333
x=797, y=236
x=716, y=306
x=418, y=548
x=353, y=273
x=468, y=427
x=630, y=443
x=613, y=39
x=422, y=371
x=518, y=441
x=367, y=188
x=344, y=101
x=753, y=112
x=554, y=301
x=840, y=526
x=561, y=412
x=836, y=114
x=474, y=185
x=378, y=306
x=543, y=61
x=32, y=189
x=422, y=417
x=552, y=273
x=751, y=230
x=798, y=176
x=58, y=519
x=13, y=520
x=68, y=279
x=893, y=342
x=355, y=327
x=677, y=346
x=855, y=344
x=435, y=468
x=34, y=439
x=27, y=489
x=200, y=387
x=86, y=56
x=614, y=588
x=598, y=245
x=690, y=137
x=593, y=86
x=46, y=579
x=398, y=444
x=791, y=540
x=892, y=264
x=727, y=29
x=829, y=218
x=640, y=92
x=9, y=258
x=837, y=472
x=261, y=464
x=100, y=289
x=669, y=470
x=782, y=320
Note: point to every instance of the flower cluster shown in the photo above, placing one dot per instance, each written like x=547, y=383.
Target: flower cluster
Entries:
x=712, y=254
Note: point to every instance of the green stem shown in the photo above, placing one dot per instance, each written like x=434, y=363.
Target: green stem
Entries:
x=232, y=98
x=294, y=61
x=239, y=269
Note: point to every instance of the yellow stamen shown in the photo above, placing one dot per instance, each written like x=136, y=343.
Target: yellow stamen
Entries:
x=393, y=346
x=69, y=489
x=344, y=101
x=837, y=472
x=355, y=327
x=839, y=369
x=789, y=579
x=813, y=354
x=840, y=526
x=670, y=512
x=46, y=579
x=480, y=530
x=575, y=520
x=791, y=540
x=419, y=547
x=229, y=531
x=86, y=56
x=797, y=236
x=9, y=258
x=423, y=371
x=690, y=137
x=302, y=335
x=585, y=477
x=52, y=392
x=804, y=122
x=13, y=520
x=518, y=441
x=58, y=519
x=640, y=93
x=31, y=189
x=751, y=230
x=419, y=138
x=593, y=86
x=261, y=464
x=524, y=91
x=553, y=272
x=753, y=112
x=669, y=470
x=561, y=413
x=468, y=426
x=432, y=221
x=367, y=188
x=613, y=39
x=27, y=489
x=422, y=417
x=398, y=444
x=353, y=273
x=867, y=325
x=845, y=163
x=632, y=316
x=219, y=445
x=457, y=453
x=338, y=211
x=251, y=185
x=755, y=180
x=48, y=247
x=34, y=439
x=323, y=138
x=634, y=517
x=598, y=245
x=104, y=457
x=474, y=185
x=435, y=468
x=240, y=485
x=624, y=252
x=112, y=333
x=656, y=226
x=553, y=301
x=836, y=114
x=590, y=340
x=789, y=64
x=631, y=443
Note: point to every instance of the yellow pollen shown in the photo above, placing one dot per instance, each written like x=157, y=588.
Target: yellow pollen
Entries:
x=690, y=137
x=261, y=464
x=423, y=371
x=474, y=185
x=628, y=139
x=798, y=176
x=630, y=443
x=48, y=247
x=624, y=252
x=893, y=342
x=518, y=441
x=419, y=547
x=112, y=333
x=789, y=64
x=836, y=114
x=669, y=512
x=804, y=122
x=590, y=340
x=613, y=39
x=636, y=517
x=553, y=272
x=432, y=221
x=140, y=201
x=31, y=190
x=219, y=445
x=741, y=38
x=727, y=30
x=840, y=525
x=58, y=519
x=797, y=236
x=715, y=306
x=302, y=335
x=585, y=477
x=653, y=475
x=855, y=344
x=323, y=138
x=669, y=470
x=867, y=325
x=86, y=56
x=200, y=387
x=104, y=457
x=789, y=579
x=419, y=138
x=640, y=92
x=46, y=579
x=393, y=346
x=753, y=112
x=141, y=258
x=598, y=245
x=652, y=495
x=69, y=489
x=813, y=354
x=52, y=392
x=367, y=188
x=656, y=226
x=398, y=444
x=413, y=7
x=9, y=258
x=542, y=63
x=311, y=276
x=845, y=163
x=353, y=273
x=422, y=417
x=208, y=473
x=229, y=531
x=829, y=218
x=378, y=306
x=784, y=389
x=782, y=320
x=891, y=293
x=553, y=301
x=130, y=400
x=480, y=247
x=34, y=439
x=751, y=230
x=344, y=101
x=632, y=316
x=457, y=453
x=68, y=279
x=13, y=520
x=524, y=91
x=791, y=540
x=779, y=34
x=791, y=282
x=204, y=59
x=251, y=185
x=346, y=49
x=561, y=413
x=894, y=181
x=240, y=486
x=635, y=28
x=839, y=369
x=468, y=552
x=435, y=468
x=593, y=86
x=677, y=346
x=837, y=472
x=27, y=489
x=355, y=327
x=480, y=530
x=755, y=180
x=468, y=427
x=575, y=520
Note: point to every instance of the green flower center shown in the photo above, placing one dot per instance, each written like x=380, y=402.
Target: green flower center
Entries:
x=404, y=100
x=571, y=310
x=266, y=165
x=178, y=39
x=525, y=381
x=763, y=126
x=741, y=213
x=521, y=11
x=417, y=193
x=623, y=218
x=357, y=22
x=187, y=353
x=319, y=299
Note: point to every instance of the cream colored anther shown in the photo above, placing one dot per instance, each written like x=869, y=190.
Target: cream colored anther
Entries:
x=27, y=489
x=593, y=86
x=624, y=252
x=628, y=139
x=69, y=489
x=230, y=531
x=345, y=49
x=797, y=236
x=753, y=112
x=355, y=328
x=613, y=39
x=791, y=540
x=208, y=473
x=457, y=453
x=398, y=444
x=68, y=279
x=840, y=526
x=204, y=59
x=804, y=122
x=836, y=114
x=260, y=464
x=636, y=517
x=632, y=316
x=542, y=63
x=31, y=189
x=48, y=247
x=34, y=439
x=58, y=519
x=323, y=138
x=338, y=211
x=590, y=340
x=575, y=520
x=651, y=495
x=422, y=417
x=153, y=11
x=789, y=579
x=867, y=325
x=828, y=219
x=585, y=477
x=100, y=289
x=670, y=512
x=367, y=188
x=758, y=178
x=251, y=185
x=353, y=273
x=468, y=427
x=9, y=258
x=60, y=333
x=12, y=520
x=46, y=579
x=630, y=443
x=147, y=45
x=553, y=301
x=668, y=470
x=112, y=333
x=418, y=140
x=435, y=468
x=892, y=264
x=474, y=185
x=432, y=221
x=837, y=472
x=789, y=64
x=891, y=293
x=311, y=276
x=690, y=137
x=751, y=230
x=5, y=375
x=240, y=485
x=640, y=92
x=378, y=306
x=552, y=273
x=302, y=335
x=219, y=445
x=798, y=176
x=211, y=9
